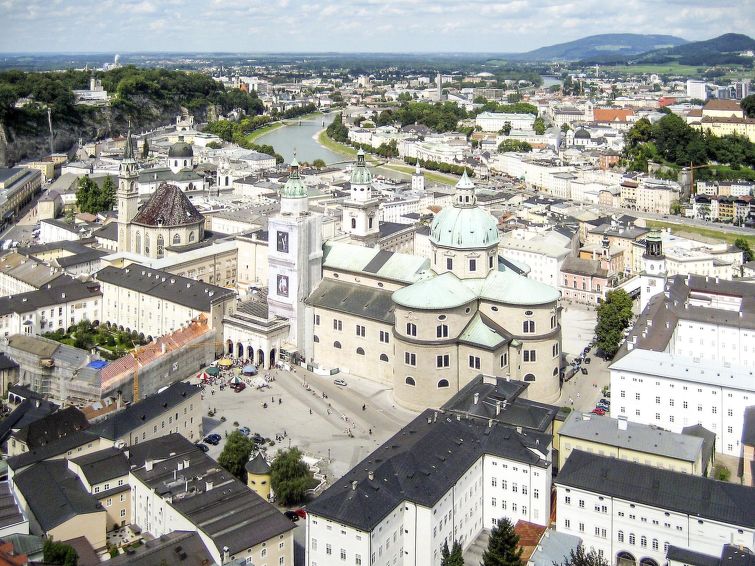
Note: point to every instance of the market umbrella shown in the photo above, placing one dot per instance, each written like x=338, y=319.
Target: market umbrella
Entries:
x=225, y=362
x=212, y=371
x=250, y=369
x=235, y=379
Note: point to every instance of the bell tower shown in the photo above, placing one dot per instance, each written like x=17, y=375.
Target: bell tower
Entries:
x=360, y=210
x=128, y=194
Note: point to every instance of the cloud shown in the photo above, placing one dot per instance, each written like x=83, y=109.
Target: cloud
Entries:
x=354, y=25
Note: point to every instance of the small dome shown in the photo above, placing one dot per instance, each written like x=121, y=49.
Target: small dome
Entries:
x=180, y=149
x=294, y=187
x=582, y=134
x=360, y=175
x=464, y=228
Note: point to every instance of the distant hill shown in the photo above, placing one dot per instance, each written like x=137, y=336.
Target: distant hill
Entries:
x=610, y=45
x=721, y=50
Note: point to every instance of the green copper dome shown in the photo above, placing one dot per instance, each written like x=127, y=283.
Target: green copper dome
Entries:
x=360, y=175
x=464, y=225
x=294, y=187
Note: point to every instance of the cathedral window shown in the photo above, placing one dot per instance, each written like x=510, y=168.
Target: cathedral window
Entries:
x=353, y=223
x=441, y=331
x=176, y=240
x=146, y=244
x=449, y=263
x=528, y=326
x=472, y=265
x=138, y=243
x=411, y=329
x=160, y=246
x=191, y=236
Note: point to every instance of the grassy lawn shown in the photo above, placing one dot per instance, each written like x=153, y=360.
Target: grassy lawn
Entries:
x=349, y=151
x=665, y=68
x=707, y=232
x=258, y=133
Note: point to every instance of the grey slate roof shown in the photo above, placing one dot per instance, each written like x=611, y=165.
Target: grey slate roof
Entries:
x=179, y=547
x=682, y=493
x=45, y=297
x=102, y=465
x=257, y=465
x=691, y=557
x=168, y=206
x=193, y=294
x=358, y=300
x=10, y=513
x=52, y=427
x=71, y=442
x=640, y=437
x=54, y=493
x=108, y=232
x=230, y=513
x=420, y=464
x=119, y=424
x=748, y=429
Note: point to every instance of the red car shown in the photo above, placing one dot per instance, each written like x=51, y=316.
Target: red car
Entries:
x=598, y=411
x=301, y=513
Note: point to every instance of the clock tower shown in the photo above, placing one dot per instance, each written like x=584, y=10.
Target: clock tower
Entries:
x=294, y=260
x=360, y=210
x=128, y=194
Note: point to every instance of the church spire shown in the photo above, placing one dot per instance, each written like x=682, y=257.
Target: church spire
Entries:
x=465, y=192
x=128, y=152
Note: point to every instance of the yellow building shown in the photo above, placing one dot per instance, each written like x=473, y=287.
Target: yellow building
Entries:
x=258, y=476
x=640, y=443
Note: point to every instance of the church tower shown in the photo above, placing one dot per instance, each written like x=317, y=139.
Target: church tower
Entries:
x=128, y=194
x=360, y=210
x=294, y=261
x=418, y=179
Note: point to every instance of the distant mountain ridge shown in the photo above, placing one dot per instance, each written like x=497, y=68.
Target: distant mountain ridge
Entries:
x=718, y=50
x=610, y=45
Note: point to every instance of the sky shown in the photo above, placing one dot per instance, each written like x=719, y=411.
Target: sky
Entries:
x=351, y=25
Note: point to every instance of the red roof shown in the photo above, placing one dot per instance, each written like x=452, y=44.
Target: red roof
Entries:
x=612, y=114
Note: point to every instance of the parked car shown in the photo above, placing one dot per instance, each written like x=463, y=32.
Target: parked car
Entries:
x=213, y=439
x=584, y=371
x=245, y=430
x=203, y=447
x=340, y=382
x=587, y=360
x=258, y=438
x=291, y=516
x=604, y=401
x=598, y=411
x=302, y=513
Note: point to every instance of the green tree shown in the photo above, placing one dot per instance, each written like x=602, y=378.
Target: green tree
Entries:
x=106, y=200
x=614, y=315
x=290, y=476
x=748, y=105
x=236, y=454
x=453, y=557
x=579, y=557
x=506, y=130
x=214, y=145
x=721, y=472
x=145, y=149
x=318, y=164
x=59, y=553
x=676, y=207
x=503, y=546
x=92, y=198
x=565, y=128
x=514, y=145
x=539, y=126
x=744, y=245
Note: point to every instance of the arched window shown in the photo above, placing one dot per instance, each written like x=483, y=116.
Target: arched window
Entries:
x=160, y=246
x=360, y=351
x=146, y=244
x=185, y=162
x=631, y=538
x=177, y=240
x=643, y=541
x=383, y=357
x=370, y=222
x=620, y=536
x=138, y=244
x=353, y=223
x=410, y=381
x=555, y=372
x=315, y=338
x=191, y=236
x=441, y=331
x=337, y=344
x=529, y=377
x=528, y=326
x=442, y=383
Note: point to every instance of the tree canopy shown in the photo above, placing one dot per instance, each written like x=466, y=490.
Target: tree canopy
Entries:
x=614, y=315
x=236, y=454
x=744, y=245
x=92, y=198
x=748, y=105
x=514, y=145
x=59, y=553
x=579, y=557
x=503, y=546
x=453, y=557
x=290, y=477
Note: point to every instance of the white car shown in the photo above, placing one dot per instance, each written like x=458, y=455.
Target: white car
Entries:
x=340, y=382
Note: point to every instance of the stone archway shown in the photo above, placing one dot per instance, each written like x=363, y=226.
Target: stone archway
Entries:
x=229, y=347
x=260, y=359
x=625, y=558
x=240, y=350
x=648, y=562
x=272, y=358
x=250, y=354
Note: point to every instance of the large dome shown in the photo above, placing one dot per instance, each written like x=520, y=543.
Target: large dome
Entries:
x=464, y=228
x=181, y=150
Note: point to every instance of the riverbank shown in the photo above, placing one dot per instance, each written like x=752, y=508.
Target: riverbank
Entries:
x=259, y=132
x=348, y=151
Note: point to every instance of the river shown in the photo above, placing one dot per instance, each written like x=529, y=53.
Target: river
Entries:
x=301, y=140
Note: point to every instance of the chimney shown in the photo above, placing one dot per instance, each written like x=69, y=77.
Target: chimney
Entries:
x=148, y=465
x=163, y=347
x=497, y=408
x=118, y=399
x=226, y=555
x=186, y=464
x=354, y=485
x=207, y=485
x=622, y=422
x=476, y=398
x=371, y=475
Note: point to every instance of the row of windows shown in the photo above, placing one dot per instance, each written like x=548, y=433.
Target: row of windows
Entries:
x=472, y=263
x=443, y=383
